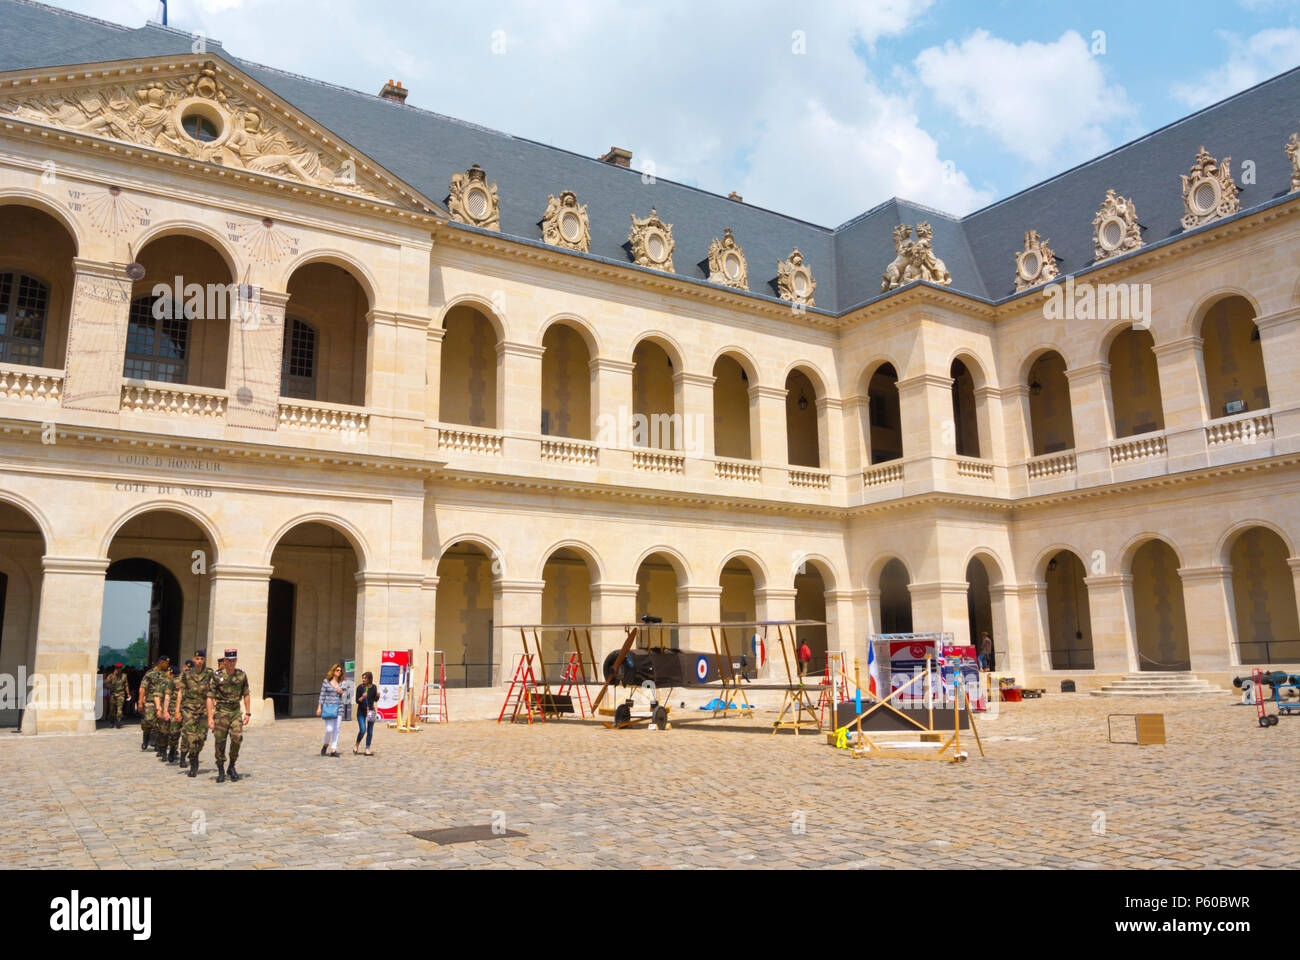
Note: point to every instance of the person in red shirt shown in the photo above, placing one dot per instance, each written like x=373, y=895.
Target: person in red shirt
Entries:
x=805, y=657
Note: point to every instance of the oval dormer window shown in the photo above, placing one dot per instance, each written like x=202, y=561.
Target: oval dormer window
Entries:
x=200, y=128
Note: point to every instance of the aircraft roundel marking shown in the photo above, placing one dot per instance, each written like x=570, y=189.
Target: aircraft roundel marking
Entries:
x=702, y=668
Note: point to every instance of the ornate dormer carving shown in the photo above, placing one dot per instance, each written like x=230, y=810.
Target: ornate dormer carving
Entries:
x=727, y=263
x=1115, y=228
x=1208, y=191
x=651, y=241
x=794, y=281
x=196, y=114
x=472, y=200
x=1293, y=152
x=1035, y=264
x=565, y=223
x=915, y=260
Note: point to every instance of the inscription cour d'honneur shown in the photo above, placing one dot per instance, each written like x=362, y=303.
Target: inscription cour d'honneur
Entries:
x=181, y=464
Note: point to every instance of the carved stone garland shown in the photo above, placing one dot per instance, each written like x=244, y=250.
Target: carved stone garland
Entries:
x=1035, y=264
x=651, y=241
x=794, y=281
x=472, y=200
x=915, y=260
x=1293, y=152
x=565, y=223
x=727, y=264
x=1208, y=191
x=1115, y=229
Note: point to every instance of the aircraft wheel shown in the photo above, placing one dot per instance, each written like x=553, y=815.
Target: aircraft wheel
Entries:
x=622, y=714
x=661, y=717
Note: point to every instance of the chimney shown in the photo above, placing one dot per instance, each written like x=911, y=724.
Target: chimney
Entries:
x=394, y=91
x=618, y=157
x=733, y=195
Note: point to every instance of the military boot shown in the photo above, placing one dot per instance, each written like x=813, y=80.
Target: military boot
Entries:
x=234, y=777
x=194, y=766
x=144, y=740
x=171, y=756
x=221, y=773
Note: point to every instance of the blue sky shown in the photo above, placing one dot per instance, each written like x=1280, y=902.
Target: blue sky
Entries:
x=952, y=103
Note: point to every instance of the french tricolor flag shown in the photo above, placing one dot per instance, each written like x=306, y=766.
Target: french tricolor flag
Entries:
x=871, y=668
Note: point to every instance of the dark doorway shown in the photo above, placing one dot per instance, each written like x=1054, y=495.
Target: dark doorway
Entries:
x=895, y=599
x=155, y=605
x=979, y=602
x=277, y=682
x=4, y=586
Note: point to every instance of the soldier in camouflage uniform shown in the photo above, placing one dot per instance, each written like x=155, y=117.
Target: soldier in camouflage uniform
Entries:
x=228, y=687
x=145, y=704
x=171, y=707
x=162, y=688
x=192, y=694
x=118, y=691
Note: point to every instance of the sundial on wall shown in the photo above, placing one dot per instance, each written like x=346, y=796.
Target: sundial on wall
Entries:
x=110, y=211
x=264, y=242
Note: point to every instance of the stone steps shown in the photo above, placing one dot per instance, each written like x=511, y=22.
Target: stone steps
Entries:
x=1160, y=685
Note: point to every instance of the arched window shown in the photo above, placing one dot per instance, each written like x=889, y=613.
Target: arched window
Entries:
x=156, y=349
x=298, y=366
x=24, y=302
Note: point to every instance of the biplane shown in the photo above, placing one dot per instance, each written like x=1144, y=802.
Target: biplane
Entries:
x=651, y=663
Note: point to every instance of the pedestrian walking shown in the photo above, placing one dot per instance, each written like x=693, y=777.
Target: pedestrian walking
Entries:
x=805, y=658
x=119, y=691
x=328, y=707
x=367, y=710
x=228, y=687
x=145, y=705
x=985, y=651
x=164, y=691
x=192, y=692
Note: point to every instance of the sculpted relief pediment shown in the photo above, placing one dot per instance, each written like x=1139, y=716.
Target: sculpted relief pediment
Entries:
x=201, y=112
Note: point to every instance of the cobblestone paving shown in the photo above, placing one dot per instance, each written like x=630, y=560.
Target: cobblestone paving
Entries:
x=1218, y=795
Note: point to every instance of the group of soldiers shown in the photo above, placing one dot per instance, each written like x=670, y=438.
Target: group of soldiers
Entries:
x=180, y=707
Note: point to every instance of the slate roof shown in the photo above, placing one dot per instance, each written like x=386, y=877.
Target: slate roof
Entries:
x=425, y=148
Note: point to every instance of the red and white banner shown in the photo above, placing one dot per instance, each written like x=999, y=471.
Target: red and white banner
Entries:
x=393, y=668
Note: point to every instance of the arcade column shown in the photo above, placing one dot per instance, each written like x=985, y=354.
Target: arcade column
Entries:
x=67, y=646
x=237, y=618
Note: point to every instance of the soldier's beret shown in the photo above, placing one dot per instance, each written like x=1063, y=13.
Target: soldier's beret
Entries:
x=232, y=653
x=189, y=663
x=200, y=653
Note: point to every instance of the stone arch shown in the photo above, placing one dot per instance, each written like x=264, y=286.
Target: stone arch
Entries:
x=344, y=527
x=484, y=306
x=200, y=519
x=580, y=326
x=751, y=560
x=486, y=544
x=37, y=201
x=582, y=547
x=743, y=357
x=345, y=262
x=1195, y=318
x=1226, y=542
x=35, y=514
x=666, y=343
x=676, y=559
x=1138, y=540
x=197, y=231
x=812, y=372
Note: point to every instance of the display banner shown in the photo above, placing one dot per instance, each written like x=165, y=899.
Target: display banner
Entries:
x=906, y=660
x=962, y=662
x=393, y=665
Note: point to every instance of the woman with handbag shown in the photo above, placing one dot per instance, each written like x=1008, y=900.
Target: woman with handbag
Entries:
x=327, y=707
x=367, y=701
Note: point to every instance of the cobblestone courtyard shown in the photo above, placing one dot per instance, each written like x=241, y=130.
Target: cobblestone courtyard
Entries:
x=697, y=796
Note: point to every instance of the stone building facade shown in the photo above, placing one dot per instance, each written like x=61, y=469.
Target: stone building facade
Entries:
x=388, y=416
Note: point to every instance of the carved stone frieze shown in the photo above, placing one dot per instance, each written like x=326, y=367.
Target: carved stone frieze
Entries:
x=565, y=223
x=1035, y=264
x=1208, y=191
x=199, y=116
x=1115, y=228
x=794, y=280
x=651, y=242
x=727, y=263
x=473, y=200
x=915, y=260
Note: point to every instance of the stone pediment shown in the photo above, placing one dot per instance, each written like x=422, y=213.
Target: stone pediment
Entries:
x=205, y=111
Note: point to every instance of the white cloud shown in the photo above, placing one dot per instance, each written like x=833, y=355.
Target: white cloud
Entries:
x=1049, y=103
x=1250, y=61
x=713, y=93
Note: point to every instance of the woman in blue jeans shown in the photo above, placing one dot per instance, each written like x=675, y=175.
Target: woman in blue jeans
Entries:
x=367, y=698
